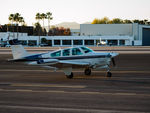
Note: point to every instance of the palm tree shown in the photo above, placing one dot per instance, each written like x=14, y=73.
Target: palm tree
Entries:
x=11, y=19
x=43, y=16
x=21, y=20
x=49, y=17
x=17, y=17
x=38, y=17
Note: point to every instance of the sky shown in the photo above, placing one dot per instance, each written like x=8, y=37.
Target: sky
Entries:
x=79, y=11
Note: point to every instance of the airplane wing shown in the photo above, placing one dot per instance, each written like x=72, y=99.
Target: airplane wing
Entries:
x=65, y=64
x=74, y=63
x=53, y=62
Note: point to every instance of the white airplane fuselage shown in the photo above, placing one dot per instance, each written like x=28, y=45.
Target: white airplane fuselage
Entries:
x=66, y=59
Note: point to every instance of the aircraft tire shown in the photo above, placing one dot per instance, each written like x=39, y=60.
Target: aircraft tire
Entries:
x=109, y=74
x=87, y=72
x=70, y=76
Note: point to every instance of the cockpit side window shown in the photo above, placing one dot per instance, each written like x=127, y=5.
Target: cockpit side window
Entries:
x=56, y=54
x=76, y=51
x=66, y=52
x=86, y=50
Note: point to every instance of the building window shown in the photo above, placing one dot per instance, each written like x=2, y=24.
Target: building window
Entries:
x=121, y=42
x=49, y=42
x=56, y=42
x=77, y=42
x=100, y=42
x=66, y=52
x=112, y=42
x=89, y=42
x=32, y=42
x=23, y=42
x=66, y=42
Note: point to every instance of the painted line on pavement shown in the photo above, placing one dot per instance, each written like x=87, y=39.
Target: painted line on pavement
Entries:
x=67, y=92
x=74, y=71
x=64, y=109
x=48, y=85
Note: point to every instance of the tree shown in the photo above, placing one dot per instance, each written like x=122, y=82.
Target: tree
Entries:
x=60, y=31
x=43, y=40
x=38, y=17
x=67, y=32
x=49, y=17
x=145, y=21
x=37, y=29
x=21, y=20
x=11, y=18
x=43, y=16
x=127, y=21
x=117, y=21
x=95, y=21
x=104, y=20
x=17, y=19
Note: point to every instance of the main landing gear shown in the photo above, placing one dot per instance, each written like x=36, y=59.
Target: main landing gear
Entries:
x=87, y=71
x=109, y=74
x=70, y=76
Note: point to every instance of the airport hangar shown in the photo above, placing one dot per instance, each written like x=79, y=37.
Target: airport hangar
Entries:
x=90, y=35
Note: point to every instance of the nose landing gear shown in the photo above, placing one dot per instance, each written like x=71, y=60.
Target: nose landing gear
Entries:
x=70, y=76
x=87, y=71
x=109, y=74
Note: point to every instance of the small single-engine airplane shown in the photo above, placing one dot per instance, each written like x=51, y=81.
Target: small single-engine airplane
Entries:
x=66, y=59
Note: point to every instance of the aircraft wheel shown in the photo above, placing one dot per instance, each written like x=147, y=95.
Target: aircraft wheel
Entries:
x=109, y=74
x=70, y=76
x=87, y=72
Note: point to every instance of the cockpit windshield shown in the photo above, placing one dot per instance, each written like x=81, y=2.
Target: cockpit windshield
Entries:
x=56, y=54
x=86, y=50
x=76, y=51
x=66, y=52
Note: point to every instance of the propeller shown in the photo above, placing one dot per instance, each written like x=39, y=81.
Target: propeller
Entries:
x=113, y=61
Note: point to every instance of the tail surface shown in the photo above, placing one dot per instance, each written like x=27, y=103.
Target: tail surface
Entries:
x=18, y=51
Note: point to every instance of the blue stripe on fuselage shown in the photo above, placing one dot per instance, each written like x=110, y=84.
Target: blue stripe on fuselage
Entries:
x=37, y=56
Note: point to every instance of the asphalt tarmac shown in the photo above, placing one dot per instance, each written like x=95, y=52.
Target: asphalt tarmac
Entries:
x=32, y=89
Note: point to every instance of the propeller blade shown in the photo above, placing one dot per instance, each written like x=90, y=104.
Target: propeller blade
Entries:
x=113, y=61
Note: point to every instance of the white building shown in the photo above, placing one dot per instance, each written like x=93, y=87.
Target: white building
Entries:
x=90, y=35
x=140, y=33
